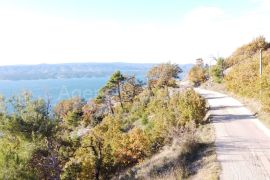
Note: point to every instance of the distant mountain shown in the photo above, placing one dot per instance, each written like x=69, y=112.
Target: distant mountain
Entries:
x=73, y=70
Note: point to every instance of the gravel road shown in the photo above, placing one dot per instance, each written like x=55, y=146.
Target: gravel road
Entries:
x=242, y=141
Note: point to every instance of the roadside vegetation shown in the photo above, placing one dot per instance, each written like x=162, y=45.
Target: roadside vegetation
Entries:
x=124, y=128
x=243, y=77
x=201, y=73
x=198, y=74
x=216, y=71
x=239, y=75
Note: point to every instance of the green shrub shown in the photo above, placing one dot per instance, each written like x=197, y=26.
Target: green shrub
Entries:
x=217, y=70
x=192, y=107
x=197, y=75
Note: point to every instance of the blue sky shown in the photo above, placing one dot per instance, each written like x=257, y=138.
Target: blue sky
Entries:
x=59, y=31
x=127, y=10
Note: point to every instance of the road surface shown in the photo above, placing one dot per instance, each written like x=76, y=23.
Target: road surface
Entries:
x=242, y=142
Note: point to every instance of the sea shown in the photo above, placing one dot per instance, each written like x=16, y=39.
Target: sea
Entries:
x=64, y=81
x=56, y=89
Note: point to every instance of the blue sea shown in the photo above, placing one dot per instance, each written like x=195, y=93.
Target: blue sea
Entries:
x=64, y=81
x=55, y=89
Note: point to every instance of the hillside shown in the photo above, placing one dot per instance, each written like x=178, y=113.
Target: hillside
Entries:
x=240, y=72
x=243, y=78
x=126, y=126
x=246, y=52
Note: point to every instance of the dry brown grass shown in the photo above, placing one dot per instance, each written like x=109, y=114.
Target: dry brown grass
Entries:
x=191, y=155
x=206, y=167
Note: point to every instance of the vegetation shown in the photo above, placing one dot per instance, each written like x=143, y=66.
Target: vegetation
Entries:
x=126, y=124
x=163, y=75
x=198, y=74
x=243, y=76
x=217, y=70
x=247, y=51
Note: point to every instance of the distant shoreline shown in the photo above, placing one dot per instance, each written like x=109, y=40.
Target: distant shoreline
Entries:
x=73, y=70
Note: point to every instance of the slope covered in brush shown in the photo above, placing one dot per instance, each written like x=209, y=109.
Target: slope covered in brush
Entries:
x=243, y=78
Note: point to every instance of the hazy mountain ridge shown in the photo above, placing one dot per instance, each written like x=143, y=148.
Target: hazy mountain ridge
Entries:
x=73, y=70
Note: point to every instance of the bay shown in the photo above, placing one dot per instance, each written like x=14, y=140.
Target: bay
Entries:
x=63, y=81
x=56, y=89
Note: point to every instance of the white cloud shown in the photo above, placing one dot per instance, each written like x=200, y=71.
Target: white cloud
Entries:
x=263, y=5
x=217, y=33
x=28, y=37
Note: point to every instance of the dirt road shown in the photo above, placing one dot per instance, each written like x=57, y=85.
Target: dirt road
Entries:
x=242, y=142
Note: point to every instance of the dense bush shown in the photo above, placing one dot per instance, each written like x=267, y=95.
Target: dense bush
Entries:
x=163, y=75
x=192, y=107
x=197, y=75
x=217, y=70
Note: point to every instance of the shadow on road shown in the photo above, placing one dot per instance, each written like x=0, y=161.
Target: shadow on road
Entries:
x=210, y=96
x=230, y=117
x=223, y=107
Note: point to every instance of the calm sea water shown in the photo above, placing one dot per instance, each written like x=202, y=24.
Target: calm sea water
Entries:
x=59, y=89
x=55, y=89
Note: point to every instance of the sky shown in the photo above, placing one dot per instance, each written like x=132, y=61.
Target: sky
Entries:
x=135, y=31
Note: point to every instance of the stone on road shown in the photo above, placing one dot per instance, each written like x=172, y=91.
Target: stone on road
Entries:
x=242, y=142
